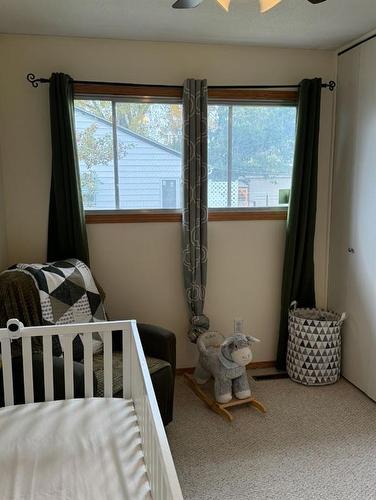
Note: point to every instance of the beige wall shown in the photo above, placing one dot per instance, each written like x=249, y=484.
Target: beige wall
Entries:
x=139, y=264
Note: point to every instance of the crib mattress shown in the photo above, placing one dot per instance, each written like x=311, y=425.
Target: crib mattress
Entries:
x=73, y=450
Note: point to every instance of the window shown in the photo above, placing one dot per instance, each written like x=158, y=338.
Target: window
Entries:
x=130, y=151
x=251, y=152
x=127, y=151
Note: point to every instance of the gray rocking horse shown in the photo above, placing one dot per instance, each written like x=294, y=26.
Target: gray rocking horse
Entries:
x=225, y=360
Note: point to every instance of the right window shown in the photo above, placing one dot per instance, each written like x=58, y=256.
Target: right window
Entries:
x=250, y=154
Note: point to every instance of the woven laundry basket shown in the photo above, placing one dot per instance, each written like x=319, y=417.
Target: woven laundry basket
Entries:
x=314, y=346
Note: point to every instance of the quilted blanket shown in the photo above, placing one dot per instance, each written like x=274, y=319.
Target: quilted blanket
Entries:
x=67, y=291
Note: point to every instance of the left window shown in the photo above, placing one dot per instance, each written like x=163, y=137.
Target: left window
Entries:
x=130, y=153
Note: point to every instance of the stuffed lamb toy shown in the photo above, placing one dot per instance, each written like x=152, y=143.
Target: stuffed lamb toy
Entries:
x=225, y=360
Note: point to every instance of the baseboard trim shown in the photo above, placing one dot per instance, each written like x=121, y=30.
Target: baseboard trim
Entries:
x=261, y=364
x=182, y=371
x=254, y=366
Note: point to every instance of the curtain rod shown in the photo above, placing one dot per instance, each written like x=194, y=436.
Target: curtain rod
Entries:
x=36, y=81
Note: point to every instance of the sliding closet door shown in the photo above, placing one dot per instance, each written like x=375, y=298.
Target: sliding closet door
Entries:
x=343, y=210
x=362, y=278
x=353, y=228
x=345, y=150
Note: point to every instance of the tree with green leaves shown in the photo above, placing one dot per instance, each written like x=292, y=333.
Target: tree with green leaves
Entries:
x=263, y=139
x=92, y=152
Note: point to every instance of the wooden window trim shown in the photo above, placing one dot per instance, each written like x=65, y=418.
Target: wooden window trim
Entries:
x=235, y=94
x=176, y=92
x=214, y=216
x=111, y=91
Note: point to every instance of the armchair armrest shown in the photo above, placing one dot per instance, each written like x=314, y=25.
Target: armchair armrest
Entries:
x=156, y=341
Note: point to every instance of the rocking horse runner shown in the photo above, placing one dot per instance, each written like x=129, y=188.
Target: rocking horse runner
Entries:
x=225, y=360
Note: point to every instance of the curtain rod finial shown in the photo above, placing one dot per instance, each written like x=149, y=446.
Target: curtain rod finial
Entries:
x=332, y=85
x=31, y=79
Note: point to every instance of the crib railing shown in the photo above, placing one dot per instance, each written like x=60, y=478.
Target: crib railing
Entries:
x=137, y=385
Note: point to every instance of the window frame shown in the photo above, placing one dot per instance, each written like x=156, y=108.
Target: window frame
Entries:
x=174, y=94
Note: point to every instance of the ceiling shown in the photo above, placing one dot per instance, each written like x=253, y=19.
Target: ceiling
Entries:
x=293, y=23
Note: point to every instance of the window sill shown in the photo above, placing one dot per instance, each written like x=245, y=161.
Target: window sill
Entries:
x=123, y=217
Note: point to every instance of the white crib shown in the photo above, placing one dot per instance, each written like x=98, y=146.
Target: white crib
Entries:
x=137, y=412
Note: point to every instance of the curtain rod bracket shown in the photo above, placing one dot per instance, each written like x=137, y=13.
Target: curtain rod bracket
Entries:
x=331, y=85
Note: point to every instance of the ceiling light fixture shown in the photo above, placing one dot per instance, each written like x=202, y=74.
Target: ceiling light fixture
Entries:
x=265, y=5
x=225, y=4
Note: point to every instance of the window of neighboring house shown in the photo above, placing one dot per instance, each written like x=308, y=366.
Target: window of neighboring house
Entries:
x=169, y=193
x=130, y=151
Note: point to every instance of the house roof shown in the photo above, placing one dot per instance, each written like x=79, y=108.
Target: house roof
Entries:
x=130, y=132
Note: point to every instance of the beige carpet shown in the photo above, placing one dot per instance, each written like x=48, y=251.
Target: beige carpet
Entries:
x=314, y=443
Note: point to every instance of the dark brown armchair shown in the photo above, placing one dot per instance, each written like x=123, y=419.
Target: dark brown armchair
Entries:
x=19, y=298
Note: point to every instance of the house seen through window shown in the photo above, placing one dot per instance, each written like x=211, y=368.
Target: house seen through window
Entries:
x=130, y=154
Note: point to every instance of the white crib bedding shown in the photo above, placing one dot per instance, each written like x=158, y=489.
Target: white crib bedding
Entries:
x=72, y=450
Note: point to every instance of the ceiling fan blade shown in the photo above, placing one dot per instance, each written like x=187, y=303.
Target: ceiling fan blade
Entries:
x=186, y=4
x=266, y=5
x=225, y=4
x=316, y=1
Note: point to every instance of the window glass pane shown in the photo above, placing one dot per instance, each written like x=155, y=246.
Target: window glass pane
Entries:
x=149, y=139
x=126, y=170
x=95, y=153
x=218, y=156
x=251, y=151
x=137, y=164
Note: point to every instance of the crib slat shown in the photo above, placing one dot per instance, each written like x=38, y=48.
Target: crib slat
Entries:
x=146, y=443
x=133, y=372
x=163, y=493
x=153, y=466
x=149, y=445
x=150, y=452
x=27, y=365
x=48, y=373
x=68, y=366
x=143, y=417
x=88, y=364
x=6, y=358
x=159, y=474
x=127, y=360
x=107, y=364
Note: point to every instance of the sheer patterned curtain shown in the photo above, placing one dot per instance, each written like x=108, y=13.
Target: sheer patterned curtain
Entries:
x=195, y=195
x=298, y=281
x=66, y=227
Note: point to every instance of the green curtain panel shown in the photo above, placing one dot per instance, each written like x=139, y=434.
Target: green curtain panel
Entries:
x=298, y=282
x=66, y=227
x=195, y=209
